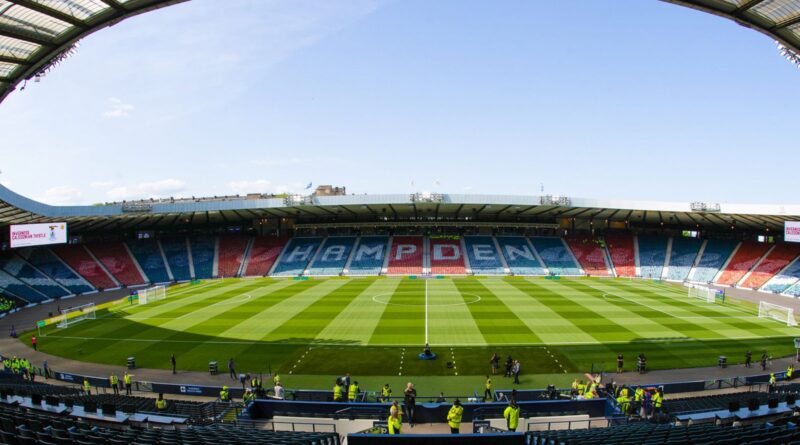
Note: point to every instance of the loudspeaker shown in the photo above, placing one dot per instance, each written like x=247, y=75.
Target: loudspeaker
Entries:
x=753, y=404
x=734, y=406
x=772, y=403
x=51, y=400
x=109, y=409
x=36, y=399
x=791, y=399
x=90, y=407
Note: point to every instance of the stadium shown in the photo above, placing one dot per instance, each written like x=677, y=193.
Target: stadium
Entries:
x=298, y=317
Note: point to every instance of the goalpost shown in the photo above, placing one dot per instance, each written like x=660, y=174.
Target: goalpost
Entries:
x=154, y=293
x=779, y=313
x=703, y=293
x=75, y=314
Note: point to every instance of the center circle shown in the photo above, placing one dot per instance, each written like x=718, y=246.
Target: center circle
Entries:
x=385, y=297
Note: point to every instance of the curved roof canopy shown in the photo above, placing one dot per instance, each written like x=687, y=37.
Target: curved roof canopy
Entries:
x=37, y=34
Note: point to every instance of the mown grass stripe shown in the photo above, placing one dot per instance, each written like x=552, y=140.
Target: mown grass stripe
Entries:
x=358, y=320
x=403, y=320
x=496, y=321
x=450, y=320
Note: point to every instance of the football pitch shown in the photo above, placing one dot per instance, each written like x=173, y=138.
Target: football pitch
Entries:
x=311, y=330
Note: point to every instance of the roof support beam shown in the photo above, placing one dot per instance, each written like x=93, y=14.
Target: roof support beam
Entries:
x=15, y=60
x=5, y=32
x=51, y=12
x=115, y=4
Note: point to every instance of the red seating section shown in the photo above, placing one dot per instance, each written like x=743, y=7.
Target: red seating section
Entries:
x=263, y=253
x=231, y=254
x=589, y=255
x=80, y=261
x=743, y=260
x=448, y=258
x=620, y=248
x=780, y=257
x=406, y=255
x=118, y=261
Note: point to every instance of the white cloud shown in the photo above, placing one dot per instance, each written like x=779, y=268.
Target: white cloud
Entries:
x=101, y=184
x=280, y=162
x=117, y=108
x=155, y=189
x=266, y=186
x=467, y=188
x=61, y=195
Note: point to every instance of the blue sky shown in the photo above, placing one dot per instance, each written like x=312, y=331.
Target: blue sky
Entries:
x=607, y=99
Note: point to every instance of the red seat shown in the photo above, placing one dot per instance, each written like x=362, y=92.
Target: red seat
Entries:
x=118, y=261
x=406, y=255
x=231, y=255
x=589, y=255
x=81, y=262
x=620, y=248
x=746, y=256
x=780, y=257
x=263, y=253
x=446, y=257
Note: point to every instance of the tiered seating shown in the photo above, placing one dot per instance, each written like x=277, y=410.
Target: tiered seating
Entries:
x=148, y=255
x=446, y=256
x=203, y=256
x=15, y=266
x=333, y=256
x=652, y=255
x=785, y=279
x=231, y=255
x=483, y=256
x=555, y=256
x=794, y=290
x=620, y=249
x=51, y=266
x=14, y=287
x=177, y=257
x=714, y=256
x=406, y=255
x=369, y=255
x=519, y=256
x=743, y=260
x=589, y=255
x=116, y=259
x=80, y=261
x=297, y=255
x=718, y=401
x=681, y=259
x=777, y=260
x=263, y=253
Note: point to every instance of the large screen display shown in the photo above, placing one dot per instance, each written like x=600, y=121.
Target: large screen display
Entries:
x=25, y=235
x=791, y=231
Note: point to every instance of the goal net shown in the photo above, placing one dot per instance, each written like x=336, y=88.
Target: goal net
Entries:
x=703, y=293
x=73, y=315
x=154, y=293
x=779, y=313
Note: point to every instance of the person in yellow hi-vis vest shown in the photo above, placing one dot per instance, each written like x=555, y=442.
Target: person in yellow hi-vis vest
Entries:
x=454, y=416
x=487, y=393
x=386, y=393
x=128, y=380
x=658, y=400
x=395, y=421
x=87, y=388
x=161, y=404
x=113, y=381
x=337, y=392
x=352, y=392
x=511, y=415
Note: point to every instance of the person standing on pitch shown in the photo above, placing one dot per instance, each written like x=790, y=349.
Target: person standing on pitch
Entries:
x=454, y=416
x=764, y=361
x=748, y=359
x=487, y=393
x=410, y=402
x=515, y=371
x=620, y=362
x=495, y=362
x=232, y=370
x=172, y=360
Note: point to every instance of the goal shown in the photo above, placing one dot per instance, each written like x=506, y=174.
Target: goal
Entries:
x=154, y=293
x=73, y=315
x=776, y=312
x=703, y=293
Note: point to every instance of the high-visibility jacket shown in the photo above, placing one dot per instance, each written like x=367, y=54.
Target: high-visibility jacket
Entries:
x=489, y=384
x=772, y=379
x=161, y=404
x=114, y=380
x=658, y=400
x=789, y=372
x=127, y=378
x=224, y=395
x=255, y=383
x=624, y=393
x=512, y=417
x=454, y=416
x=249, y=397
x=581, y=388
x=386, y=391
x=337, y=393
x=624, y=404
x=395, y=425
x=638, y=395
x=588, y=395
x=86, y=385
x=352, y=392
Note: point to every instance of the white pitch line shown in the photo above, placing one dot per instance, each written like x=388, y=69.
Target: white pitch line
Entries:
x=223, y=302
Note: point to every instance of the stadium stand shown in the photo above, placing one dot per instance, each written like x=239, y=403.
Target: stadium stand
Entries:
x=715, y=253
x=555, y=255
x=297, y=256
x=44, y=260
x=21, y=270
x=519, y=256
x=784, y=279
x=620, y=249
x=589, y=255
x=406, y=255
x=203, y=256
x=332, y=256
x=263, y=254
x=446, y=256
x=793, y=290
x=81, y=262
x=369, y=254
x=775, y=261
x=231, y=254
x=483, y=256
x=177, y=255
x=719, y=401
x=652, y=255
x=148, y=255
x=681, y=259
x=16, y=288
x=746, y=256
x=116, y=259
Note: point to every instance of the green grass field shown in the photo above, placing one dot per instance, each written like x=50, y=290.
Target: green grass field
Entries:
x=373, y=328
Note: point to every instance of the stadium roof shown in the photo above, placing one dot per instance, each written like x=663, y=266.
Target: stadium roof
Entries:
x=35, y=35
x=434, y=208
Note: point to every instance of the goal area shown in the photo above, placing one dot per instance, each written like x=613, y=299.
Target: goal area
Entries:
x=776, y=312
x=73, y=315
x=703, y=293
x=150, y=294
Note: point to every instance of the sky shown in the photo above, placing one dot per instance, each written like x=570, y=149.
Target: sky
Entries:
x=614, y=99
